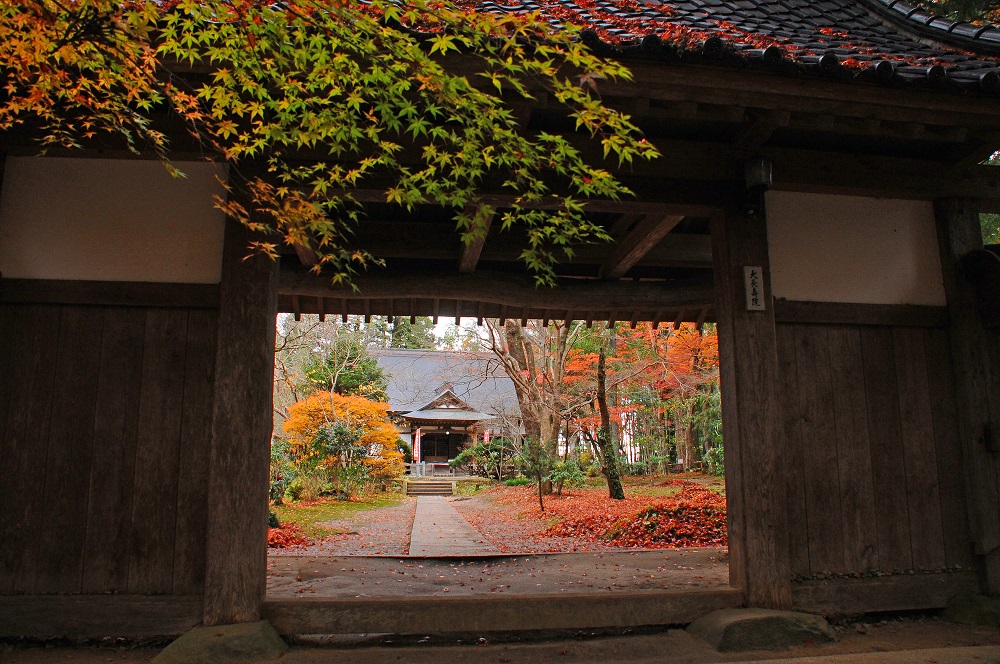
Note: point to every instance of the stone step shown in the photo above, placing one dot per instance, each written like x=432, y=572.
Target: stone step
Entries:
x=429, y=492
x=429, y=488
x=494, y=613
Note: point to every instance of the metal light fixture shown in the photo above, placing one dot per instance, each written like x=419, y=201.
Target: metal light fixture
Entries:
x=758, y=173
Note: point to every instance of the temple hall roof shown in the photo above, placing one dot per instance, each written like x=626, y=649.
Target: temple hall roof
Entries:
x=885, y=41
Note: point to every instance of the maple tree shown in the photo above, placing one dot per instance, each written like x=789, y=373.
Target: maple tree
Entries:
x=349, y=437
x=663, y=378
x=309, y=101
x=975, y=11
x=604, y=384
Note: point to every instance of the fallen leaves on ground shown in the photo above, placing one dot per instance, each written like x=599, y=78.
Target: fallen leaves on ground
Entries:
x=378, y=531
x=288, y=536
x=587, y=520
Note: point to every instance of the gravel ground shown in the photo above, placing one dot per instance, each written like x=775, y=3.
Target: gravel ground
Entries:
x=377, y=532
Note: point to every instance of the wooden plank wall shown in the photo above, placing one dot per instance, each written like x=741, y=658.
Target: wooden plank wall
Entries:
x=105, y=418
x=873, y=460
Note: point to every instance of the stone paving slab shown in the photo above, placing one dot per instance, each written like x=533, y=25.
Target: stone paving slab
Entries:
x=439, y=531
x=562, y=573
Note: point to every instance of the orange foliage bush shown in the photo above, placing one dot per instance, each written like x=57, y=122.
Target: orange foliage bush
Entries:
x=307, y=417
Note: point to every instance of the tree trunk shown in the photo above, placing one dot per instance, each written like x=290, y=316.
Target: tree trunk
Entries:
x=609, y=450
x=614, y=400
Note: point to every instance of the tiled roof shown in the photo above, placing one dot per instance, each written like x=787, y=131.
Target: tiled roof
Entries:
x=447, y=415
x=418, y=376
x=886, y=41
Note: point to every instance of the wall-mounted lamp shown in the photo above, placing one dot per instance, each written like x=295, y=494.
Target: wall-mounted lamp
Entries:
x=758, y=173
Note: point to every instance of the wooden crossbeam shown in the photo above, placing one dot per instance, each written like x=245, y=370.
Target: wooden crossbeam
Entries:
x=640, y=240
x=977, y=155
x=471, y=252
x=623, y=223
x=604, y=310
x=757, y=132
x=500, y=292
x=306, y=255
x=437, y=241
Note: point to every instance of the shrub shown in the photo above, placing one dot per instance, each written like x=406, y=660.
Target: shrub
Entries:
x=470, y=487
x=492, y=460
x=715, y=458
x=636, y=468
x=566, y=473
x=329, y=433
x=517, y=481
x=351, y=481
x=308, y=485
x=281, y=470
x=272, y=520
x=406, y=450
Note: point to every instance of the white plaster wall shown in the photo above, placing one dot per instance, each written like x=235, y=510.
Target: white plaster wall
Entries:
x=827, y=248
x=110, y=220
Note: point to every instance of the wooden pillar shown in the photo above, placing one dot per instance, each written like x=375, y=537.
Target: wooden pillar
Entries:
x=975, y=356
x=751, y=413
x=236, y=565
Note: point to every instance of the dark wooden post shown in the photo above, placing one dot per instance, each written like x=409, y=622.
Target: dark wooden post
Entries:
x=975, y=356
x=236, y=565
x=751, y=414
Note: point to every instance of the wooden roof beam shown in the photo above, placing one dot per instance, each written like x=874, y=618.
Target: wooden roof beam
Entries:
x=640, y=240
x=306, y=255
x=718, y=85
x=473, y=250
x=498, y=292
x=757, y=132
x=978, y=154
x=437, y=241
x=601, y=311
x=623, y=223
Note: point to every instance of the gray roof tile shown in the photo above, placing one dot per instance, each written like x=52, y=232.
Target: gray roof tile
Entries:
x=418, y=376
x=855, y=31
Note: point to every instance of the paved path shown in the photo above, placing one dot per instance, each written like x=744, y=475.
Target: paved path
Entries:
x=440, y=531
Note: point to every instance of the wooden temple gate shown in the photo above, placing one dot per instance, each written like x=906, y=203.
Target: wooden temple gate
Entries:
x=860, y=418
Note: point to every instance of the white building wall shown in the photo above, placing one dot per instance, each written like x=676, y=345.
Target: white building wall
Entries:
x=828, y=248
x=110, y=220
